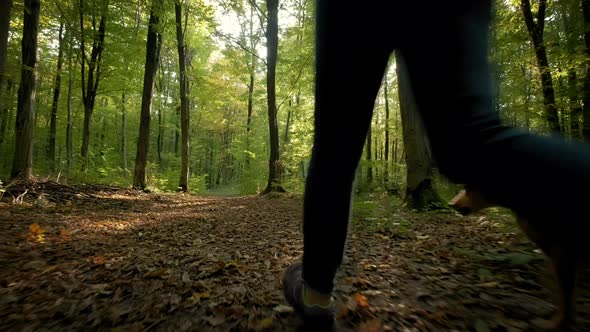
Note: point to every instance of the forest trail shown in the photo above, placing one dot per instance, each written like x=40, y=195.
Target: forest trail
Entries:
x=127, y=261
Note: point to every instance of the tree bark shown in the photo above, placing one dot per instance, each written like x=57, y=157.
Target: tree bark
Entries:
x=90, y=87
x=586, y=95
x=5, y=94
x=535, y=30
x=386, y=148
x=54, y=105
x=6, y=8
x=368, y=149
x=420, y=192
x=23, y=153
x=69, y=149
x=272, y=45
x=152, y=59
x=184, y=102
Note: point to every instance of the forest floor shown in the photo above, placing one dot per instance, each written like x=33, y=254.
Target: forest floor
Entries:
x=118, y=260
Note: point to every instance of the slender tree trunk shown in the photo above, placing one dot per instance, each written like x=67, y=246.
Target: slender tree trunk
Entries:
x=124, y=98
x=69, y=148
x=570, y=9
x=5, y=94
x=586, y=95
x=272, y=44
x=90, y=86
x=420, y=192
x=124, y=130
x=152, y=58
x=23, y=153
x=386, y=157
x=250, y=108
x=287, y=126
x=535, y=30
x=184, y=106
x=54, y=105
x=177, y=132
x=6, y=8
x=368, y=149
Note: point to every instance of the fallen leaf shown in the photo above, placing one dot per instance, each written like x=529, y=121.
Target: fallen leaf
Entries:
x=98, y=260
x=161, y=273
x=361, y=300
x=65, y=235
x=36, y=233
x=196, y=297
x=491, y=284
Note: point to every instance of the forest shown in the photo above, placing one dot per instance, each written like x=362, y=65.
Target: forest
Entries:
x=154, y=156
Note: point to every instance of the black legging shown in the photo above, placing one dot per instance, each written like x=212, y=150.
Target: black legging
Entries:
x=444, y=45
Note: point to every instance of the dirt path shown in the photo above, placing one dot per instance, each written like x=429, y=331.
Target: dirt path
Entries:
x=124, y=261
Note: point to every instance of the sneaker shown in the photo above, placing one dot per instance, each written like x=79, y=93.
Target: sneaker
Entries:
x=315, y=317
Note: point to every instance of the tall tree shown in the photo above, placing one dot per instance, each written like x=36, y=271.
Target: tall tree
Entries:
x=184, y=102
x=69, y=147
x=56, y=92
x=6, y=8
x=536, y=30
x=369, y=149
x=420, y=192
x=586, y=95
x=23, y=153
x=124, y=97
x=272, y=47
x=152, y=59
x=570, y=13
x=90, y=86
x=386, y=148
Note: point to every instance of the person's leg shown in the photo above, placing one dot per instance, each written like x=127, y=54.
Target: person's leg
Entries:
x=533, y=175
x=349, y=71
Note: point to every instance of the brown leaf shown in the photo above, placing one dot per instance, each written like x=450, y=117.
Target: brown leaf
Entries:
x=98, y=260
x=161, y=273
x=361, y=300
x=196, y=298
x=36, y=233
x=65, y=234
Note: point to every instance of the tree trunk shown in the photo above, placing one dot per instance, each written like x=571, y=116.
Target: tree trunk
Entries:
x=535, y=30
x=6, y=8
x=152, y=58
x=90, y=87
x=184, y=106
x=5, y=94
x=124, y=98
x=386, y=152
x=124, y=130
x=287, y=126
x=420, y=192
x=368, y=149
x=23, y=152
x=54, y=105
x=69, y=150
x=272, y=44
x=586, y=96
